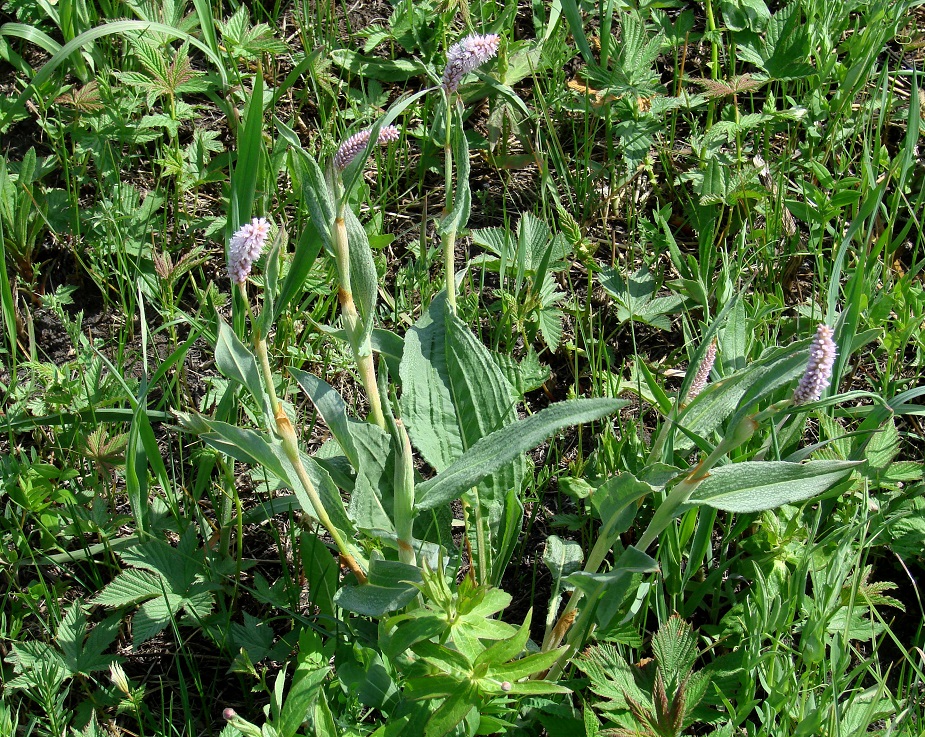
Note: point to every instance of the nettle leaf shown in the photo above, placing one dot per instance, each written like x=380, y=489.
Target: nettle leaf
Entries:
x=130, y=587
x=153, y=616
x=83, y=654
x=753, y=486
x=168, y=578
x=636, y=300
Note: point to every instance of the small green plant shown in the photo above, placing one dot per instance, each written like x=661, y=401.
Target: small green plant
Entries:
x=658, y=697
x=29, y=212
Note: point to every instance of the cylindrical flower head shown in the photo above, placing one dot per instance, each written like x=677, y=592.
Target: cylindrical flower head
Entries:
x=466, y=55
x=356, y=144
x=245, y=248
x=703, y=373
x=818, y=372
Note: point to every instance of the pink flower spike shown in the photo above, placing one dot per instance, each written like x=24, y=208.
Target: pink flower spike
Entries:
x=356, y=144
x=467, y=55
x=245, y=247
x=703, y=373
x=818, y=374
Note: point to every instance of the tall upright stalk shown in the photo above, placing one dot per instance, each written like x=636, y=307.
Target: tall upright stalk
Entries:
x=290, y=442
x=449, y=237
x=359, y=343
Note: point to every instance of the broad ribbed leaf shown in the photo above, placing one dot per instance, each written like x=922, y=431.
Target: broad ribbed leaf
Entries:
x=389, y=589
x=753, y=486
x=371, y=502
x=427, y=396
x=507, y=444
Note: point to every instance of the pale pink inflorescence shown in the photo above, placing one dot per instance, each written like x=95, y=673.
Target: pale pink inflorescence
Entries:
x=703, y=373
x=818, y=372
x=356, y=144
x=466, y=55
x=245, y=248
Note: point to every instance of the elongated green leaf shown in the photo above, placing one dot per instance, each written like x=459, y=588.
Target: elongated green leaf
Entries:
x=507, y=444
x=753, y=486
x=306, y=685
x=332, y=408
x=315, y=191
x=526, y=666
x=32, y=35
x=251, y=447
x=136, y=473
x=306, y=251
x=572, y=14
x=6, y=292
x=371, y=504
x=237, y=363
x=364, y=281
x=539, y=688
x=250, y=156
x=458, y=217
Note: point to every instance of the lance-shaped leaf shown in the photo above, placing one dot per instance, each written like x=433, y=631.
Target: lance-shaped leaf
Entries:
x=251, y=447
x=237, y=363
x=753, y=486
x=506, y=445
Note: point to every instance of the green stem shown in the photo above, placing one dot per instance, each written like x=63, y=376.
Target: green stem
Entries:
x=291, y=448
x=449, y=238
x=359, y=344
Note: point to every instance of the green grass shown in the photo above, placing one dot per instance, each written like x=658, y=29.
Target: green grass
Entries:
x=620, y=221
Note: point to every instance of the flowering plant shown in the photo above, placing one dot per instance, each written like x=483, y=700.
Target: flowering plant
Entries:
x=439, y=399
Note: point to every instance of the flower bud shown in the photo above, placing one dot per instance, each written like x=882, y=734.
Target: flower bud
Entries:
x=356, y=144
x=703, y=373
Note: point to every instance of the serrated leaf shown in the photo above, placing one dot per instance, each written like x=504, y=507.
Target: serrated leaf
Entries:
x=153, y=616
x=130, y=587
